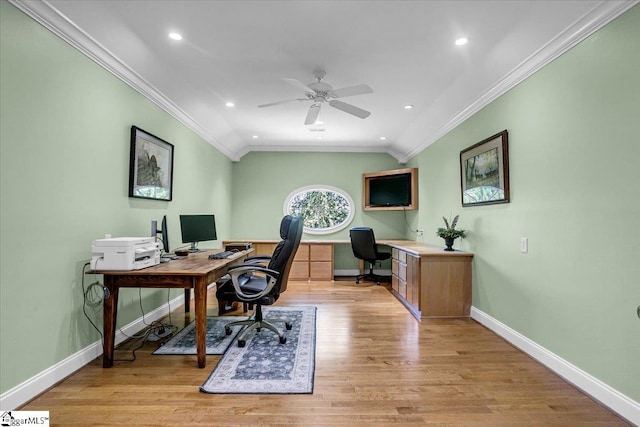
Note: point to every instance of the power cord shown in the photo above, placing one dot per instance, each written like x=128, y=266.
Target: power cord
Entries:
x=93, y=297
x=418, y=231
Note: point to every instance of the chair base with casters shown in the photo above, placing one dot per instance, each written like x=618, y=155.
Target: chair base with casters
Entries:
x=257, y=323
x=372, y=276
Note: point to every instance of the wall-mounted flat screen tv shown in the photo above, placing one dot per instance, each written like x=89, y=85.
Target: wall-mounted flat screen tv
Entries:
x=391, y=190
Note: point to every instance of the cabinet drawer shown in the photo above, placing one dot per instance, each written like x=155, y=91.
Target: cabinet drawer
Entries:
x=303, y=253
x=321, y=270
x=321, y=252
x=402, y=256
x=394, y=267
x=394, y=253
x=299, y=270
x=402, y=288
x=394, y=283
x=402, y=271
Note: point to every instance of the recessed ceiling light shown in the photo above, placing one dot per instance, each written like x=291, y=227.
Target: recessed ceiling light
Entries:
x=319, y=122
x=229, y=104
x=255, y=137
x=175, y=36
x=383, y=138
x=318, y=137
x=408, y=107
x=461, y=41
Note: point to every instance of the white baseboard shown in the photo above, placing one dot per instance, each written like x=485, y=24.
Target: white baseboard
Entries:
x=24, y=392
x=608, y=396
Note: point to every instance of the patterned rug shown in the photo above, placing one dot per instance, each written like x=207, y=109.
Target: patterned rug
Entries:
x=184, y=342
x=264, y=366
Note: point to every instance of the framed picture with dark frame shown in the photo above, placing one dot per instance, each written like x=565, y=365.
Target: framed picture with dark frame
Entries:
x=150, y=166
x=484, y=171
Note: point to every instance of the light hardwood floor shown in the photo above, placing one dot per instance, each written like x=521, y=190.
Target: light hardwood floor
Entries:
x=375, y=365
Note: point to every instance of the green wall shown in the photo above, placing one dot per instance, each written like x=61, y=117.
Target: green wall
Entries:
x=64, y=146
x=263, y=180
x=574, y=151
x=574, y=147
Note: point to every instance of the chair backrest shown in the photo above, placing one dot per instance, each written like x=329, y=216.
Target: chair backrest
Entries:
x=363, y=243
x=285, y=251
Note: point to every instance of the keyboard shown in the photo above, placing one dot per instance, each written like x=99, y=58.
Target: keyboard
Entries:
x=221, y=255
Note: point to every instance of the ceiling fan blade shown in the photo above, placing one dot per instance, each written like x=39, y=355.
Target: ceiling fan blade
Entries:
x=352, y=90
x=299, y=85
x=281, y=102
x=351, y=109
x=312, y=114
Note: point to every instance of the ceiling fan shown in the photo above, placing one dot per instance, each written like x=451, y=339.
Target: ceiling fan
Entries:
x=319, y=92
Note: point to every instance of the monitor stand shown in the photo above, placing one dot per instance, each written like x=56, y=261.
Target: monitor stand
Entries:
x=194, y=247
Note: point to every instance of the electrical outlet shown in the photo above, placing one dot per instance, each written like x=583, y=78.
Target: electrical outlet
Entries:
x=420, y=232
x=524, y=245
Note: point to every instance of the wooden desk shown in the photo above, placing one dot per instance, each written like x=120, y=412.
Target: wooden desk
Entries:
x=194, y=271
x=428, y=280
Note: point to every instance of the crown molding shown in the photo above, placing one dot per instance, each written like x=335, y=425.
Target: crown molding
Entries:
x=582, y=28
x=310, y=148
x=47, y=15
x=55, y=21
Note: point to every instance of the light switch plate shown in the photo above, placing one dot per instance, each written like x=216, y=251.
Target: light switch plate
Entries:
x=524, y=245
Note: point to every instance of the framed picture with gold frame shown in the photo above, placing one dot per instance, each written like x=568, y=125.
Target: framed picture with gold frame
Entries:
x=484, y=171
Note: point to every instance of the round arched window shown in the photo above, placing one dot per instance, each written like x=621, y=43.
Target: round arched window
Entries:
x=324, y=209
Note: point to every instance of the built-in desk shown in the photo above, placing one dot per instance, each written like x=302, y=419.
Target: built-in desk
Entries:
x=428, y=280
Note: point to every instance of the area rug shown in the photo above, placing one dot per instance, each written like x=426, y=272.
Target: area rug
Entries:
x=263, y=365
x=184, y=342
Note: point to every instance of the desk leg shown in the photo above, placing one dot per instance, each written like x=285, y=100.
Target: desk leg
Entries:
x=187, y=300
x=200, y=288
x=109, y=321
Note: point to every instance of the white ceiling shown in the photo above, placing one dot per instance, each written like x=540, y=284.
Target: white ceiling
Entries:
x=240, y=51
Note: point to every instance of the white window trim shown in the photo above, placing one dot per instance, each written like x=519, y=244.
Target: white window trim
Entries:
x=335, y=228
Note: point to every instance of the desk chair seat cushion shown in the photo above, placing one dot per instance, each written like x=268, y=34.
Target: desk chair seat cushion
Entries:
x=251, y=285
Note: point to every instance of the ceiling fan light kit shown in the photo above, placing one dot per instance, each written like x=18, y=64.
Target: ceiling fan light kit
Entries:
x=320, y=92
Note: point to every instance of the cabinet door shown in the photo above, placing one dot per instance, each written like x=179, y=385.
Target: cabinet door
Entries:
x=321, y=270
x=299, y=270
x=263, y=249
x=321, y=252
x=413, y=280
x=300, y=266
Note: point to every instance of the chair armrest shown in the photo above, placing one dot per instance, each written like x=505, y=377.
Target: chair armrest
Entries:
x=259, y=258
x=272, y=277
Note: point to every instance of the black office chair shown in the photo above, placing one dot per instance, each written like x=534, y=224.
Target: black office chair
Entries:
x=363, y=244
x=254, y=283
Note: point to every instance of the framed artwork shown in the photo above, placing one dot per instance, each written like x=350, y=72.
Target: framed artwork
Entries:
x=484, y=171
x=150, y=166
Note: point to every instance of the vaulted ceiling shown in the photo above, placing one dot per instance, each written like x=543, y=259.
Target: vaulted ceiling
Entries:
x=241, y=52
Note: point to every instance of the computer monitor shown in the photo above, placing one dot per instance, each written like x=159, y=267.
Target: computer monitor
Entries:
x=197, y=228
x=163, y=232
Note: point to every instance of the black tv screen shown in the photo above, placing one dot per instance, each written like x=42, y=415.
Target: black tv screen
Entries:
x=391, y=190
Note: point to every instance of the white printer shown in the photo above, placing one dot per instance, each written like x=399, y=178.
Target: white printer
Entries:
x=124, y=253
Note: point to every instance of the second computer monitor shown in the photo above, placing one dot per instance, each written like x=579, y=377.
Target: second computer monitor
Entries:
x=197, y=228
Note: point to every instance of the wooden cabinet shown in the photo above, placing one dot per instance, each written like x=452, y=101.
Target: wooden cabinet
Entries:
x=300, y=267
x=321, y=262
x=313, y=260
x=263, y=248
x=432, y=283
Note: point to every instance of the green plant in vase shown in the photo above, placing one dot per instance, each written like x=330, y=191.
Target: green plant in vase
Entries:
x=449, y=233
